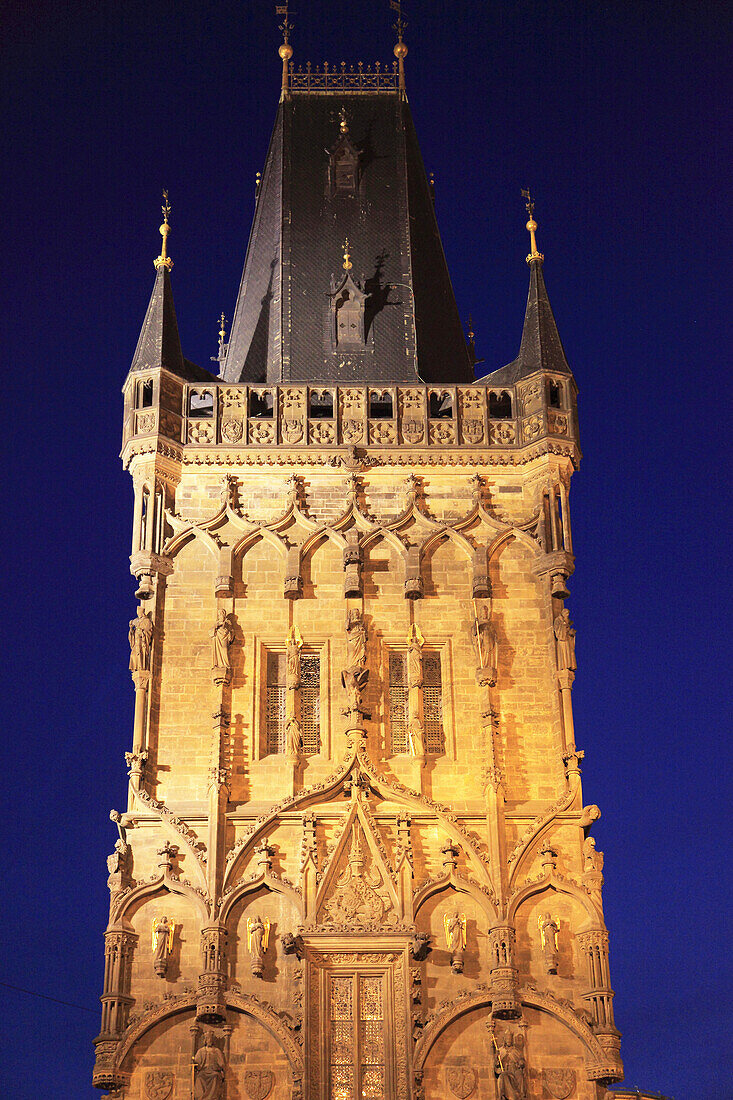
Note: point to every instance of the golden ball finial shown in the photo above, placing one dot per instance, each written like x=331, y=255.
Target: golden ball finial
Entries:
x=285, y=51
x=400, y=50
x=532, y=226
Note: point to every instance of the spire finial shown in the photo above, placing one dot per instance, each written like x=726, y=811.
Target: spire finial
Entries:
x=531, y=228
x=343, y=121
x=400, y=50
x=286, y=50
x=347, y=256
x=164, y=259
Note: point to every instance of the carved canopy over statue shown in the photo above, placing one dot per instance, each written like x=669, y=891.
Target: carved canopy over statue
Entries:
x=140, y=637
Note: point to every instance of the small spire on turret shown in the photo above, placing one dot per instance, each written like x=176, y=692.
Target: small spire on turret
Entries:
x=347, y=265
x=286, y=50
x=343, y=121
x=400, y=50
x=222, y=341
x=531, y=228
x=471, y=335
x=164, y=259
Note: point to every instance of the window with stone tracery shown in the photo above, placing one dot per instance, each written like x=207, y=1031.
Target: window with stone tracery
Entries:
x=357, y=1049
x=310, y=702
x=432, y=701
x=398, y=700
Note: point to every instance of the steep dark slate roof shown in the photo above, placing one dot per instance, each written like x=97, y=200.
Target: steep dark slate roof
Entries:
x=282, y=327
x=159, y=344
x=541, y=347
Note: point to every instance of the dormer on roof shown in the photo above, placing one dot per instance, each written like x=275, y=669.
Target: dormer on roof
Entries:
x=348, y=298
x=343, y=161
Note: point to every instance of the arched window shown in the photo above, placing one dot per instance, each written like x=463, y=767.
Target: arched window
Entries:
x=144, y=395
x=380, y=405
x=320, y=405
x=261, y=404
x=500, y=405
x=441, y=405
x=201, y=403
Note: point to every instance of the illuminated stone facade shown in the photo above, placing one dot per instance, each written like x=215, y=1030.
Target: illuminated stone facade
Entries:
x=355, y=859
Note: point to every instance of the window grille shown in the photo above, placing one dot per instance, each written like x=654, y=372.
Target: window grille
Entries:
x=310, y=702
x=398, y=696
x=432, y=701
x=275, y=702
x=357, y=1044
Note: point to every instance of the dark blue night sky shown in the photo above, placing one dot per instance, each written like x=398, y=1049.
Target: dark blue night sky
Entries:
x=613, y=114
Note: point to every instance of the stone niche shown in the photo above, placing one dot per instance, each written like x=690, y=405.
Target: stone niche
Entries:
x=439, y=983
x=254, y=1060
x=278, y=982
x=184, y=962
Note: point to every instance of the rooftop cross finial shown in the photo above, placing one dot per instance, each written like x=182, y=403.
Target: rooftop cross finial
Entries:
x=164, y=260
x=347, y=256
x=400, y=50
x=286, y=50
x=531, y=227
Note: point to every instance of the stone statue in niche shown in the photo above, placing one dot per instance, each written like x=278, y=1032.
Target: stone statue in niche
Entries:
x=208, y=1070
x=455, y=938
x=258, y=934
x=549, y=929
x=222, y=637
x=592, y=860
x=356, y=639
x=565, y=634
x=509, y=1069
x=292, y=659
x=162, y=942
x=487, y=645
x=140, y=637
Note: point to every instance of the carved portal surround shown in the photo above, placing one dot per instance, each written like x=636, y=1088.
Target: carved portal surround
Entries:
x=358, y=1013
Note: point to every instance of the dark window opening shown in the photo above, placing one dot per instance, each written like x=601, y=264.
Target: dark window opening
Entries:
x=554, y=395
x=441, y=405
x=201, y=403
x=261, y=404
x=500, y=405
x=321, y=405
x=380, y=406
x=145, y=394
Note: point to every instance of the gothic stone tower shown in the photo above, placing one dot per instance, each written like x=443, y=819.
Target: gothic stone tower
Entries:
x=355, y=859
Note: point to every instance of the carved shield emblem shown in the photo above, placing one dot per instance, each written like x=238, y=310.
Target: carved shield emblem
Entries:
x=292, y=430
x=412, y=430
x=559, y=1082
x=473, y=430
x=158, y=1084
x=461, y=1081
x=352, y=431
x=258, y=1083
